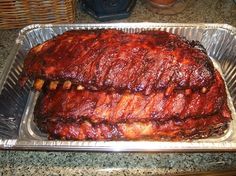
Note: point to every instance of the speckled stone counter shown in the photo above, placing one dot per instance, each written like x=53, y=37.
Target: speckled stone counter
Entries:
x=91, y=163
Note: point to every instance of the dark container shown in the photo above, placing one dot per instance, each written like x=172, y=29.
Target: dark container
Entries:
x=104, y=10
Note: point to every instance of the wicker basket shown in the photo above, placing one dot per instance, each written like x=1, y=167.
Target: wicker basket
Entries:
x=19, y=13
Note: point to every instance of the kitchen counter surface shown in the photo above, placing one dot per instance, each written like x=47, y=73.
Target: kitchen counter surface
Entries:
x=93, y=163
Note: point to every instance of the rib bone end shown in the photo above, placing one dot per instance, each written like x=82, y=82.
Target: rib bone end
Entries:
x=38, y=84
x=79, y=87
x=53, y=85
x=67, y=85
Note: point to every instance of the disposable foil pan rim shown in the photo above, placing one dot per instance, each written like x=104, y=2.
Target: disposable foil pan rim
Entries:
x=119, y=146
x=124, y=25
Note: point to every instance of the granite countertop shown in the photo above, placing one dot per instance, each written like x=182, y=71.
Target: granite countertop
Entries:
x=93, y=163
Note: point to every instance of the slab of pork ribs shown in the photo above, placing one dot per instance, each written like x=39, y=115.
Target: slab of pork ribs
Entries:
x=112, y=85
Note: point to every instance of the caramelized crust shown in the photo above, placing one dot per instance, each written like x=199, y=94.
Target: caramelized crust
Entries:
x=191, y=128
x=112, y=107
x=112, y=59
x=112, y=85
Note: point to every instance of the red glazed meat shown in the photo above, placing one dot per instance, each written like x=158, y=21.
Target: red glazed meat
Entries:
x=112, y=107
x=113, y=85
x=112, y=59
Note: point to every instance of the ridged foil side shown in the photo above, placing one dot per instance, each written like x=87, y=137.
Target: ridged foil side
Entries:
x=12, y=101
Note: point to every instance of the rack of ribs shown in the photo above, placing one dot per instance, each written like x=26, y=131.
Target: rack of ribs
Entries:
x=113, y=85
x=112, y=59
x=68, y=113
x=112, y=107
x=191, y=128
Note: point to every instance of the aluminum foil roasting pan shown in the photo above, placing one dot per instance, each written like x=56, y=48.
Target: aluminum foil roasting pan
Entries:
x=17, y=130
